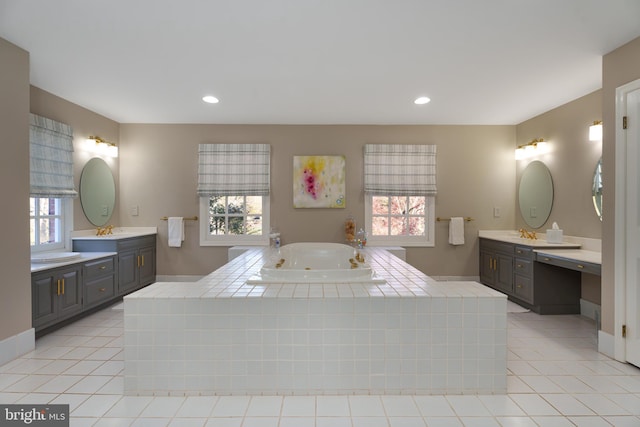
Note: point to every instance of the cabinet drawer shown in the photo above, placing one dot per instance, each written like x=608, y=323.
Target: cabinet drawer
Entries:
x=99, y=267
x=99, y=290
x=523, y=288
x=522, y=266
x=496, y=246
x=585, y=267
x=137, y=242
x=523, y=252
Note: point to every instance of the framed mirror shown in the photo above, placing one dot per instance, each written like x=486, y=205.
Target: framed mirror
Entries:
x=596, y=189
x=535, y=194
x=97, y=192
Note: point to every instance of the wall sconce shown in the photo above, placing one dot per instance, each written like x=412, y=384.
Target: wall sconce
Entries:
x=98, y=145
x=534, y=148
x=595, y=131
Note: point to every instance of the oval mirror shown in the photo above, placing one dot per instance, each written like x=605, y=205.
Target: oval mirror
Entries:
x=597, y=189
x=97, y=191
x=535, y=194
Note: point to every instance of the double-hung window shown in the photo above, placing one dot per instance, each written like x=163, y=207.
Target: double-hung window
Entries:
x=233, y=185
x=400, y=189
x=51, y=182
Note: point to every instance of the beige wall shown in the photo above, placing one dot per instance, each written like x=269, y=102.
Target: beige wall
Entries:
x=618, y=68
x=475, y=172
x=84, y=124
x=15, y=286
x=572, y=161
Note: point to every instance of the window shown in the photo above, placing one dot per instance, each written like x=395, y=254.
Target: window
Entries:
x=234, y=220
x=400, y=189
x=46, y=223
x=51, y=183
x=233, y=185
x=400, y=220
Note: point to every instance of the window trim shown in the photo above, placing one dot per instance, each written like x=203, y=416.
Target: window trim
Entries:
x=418, y=241
x=232, y=240
x=66, y=224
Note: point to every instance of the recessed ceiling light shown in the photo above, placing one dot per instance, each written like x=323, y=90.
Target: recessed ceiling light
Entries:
x=422, y=100
x=210, y=99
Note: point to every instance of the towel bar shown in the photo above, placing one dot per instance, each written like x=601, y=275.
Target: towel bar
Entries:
x=467, y=219
x=193, y=218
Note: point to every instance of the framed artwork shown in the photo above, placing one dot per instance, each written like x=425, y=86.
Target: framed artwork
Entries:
x=319, y=182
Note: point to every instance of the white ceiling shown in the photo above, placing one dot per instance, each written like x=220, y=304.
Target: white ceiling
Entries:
x=319, y=61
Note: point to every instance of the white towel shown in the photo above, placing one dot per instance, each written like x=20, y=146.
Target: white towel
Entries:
x=456, y=231
x=176, y=231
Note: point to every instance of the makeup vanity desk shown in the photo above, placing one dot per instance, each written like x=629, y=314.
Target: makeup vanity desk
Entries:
x=542, y=276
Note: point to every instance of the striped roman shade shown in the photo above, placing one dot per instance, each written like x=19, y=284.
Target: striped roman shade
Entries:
x=233, y=169
x=51, y=158
x=399, y=170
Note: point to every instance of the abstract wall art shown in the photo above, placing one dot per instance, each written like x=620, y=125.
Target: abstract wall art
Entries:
x=319, y=182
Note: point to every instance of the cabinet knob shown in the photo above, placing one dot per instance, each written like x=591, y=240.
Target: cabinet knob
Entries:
x=519, y=286
x=580, y=266
x=103, y=267
x=102, y=289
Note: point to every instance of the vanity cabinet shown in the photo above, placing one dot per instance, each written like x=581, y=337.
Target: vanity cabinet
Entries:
x=136, y=259
x=56, y=295
x=512, y=269
x=99, y=281
x=496, y=265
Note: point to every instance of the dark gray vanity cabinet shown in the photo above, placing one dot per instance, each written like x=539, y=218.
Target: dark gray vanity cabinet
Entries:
x=99, y=281
x=56, y=295
x=512, y=269
x=136, y=259
x=496, y=265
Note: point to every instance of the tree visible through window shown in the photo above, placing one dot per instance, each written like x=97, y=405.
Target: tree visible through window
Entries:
x=400, y=220
x=46, y=222
x=235, y=215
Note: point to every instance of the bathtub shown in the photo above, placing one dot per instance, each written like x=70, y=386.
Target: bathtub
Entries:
x=224, y=336
x=316, y=263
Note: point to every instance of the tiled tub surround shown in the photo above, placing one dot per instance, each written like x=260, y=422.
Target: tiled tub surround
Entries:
x=410, y=335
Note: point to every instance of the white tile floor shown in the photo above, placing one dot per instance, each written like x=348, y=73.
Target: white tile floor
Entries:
x=556, y=378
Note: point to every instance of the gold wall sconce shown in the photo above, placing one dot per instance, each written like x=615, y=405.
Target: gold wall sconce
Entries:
x=595, y=131
x=98, y=145
x=536, y=147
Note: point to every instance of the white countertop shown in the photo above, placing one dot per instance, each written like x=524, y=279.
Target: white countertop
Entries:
x=84, y=257
x=118, y=233
x=580, y=255
x=513, y=236
x=229, y=281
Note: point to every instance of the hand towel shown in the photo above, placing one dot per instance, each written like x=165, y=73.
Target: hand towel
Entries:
x=456, y=231
x=176, y=231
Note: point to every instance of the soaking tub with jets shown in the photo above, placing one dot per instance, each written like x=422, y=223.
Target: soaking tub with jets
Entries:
x=316, y=262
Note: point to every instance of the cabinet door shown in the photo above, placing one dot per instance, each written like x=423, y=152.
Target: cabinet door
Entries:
x=147, y=266
x=504, y=274
x=44, y=298
x=486, y=268
x=70, y=299
x=127, y=271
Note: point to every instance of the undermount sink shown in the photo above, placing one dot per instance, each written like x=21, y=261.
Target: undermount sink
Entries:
x=50, y=257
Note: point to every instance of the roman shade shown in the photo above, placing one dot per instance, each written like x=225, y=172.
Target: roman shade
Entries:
x=399, y=170
x=233, y=169
x=51, y=158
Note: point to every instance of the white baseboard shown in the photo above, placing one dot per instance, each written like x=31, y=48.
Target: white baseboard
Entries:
x=591, y=310
x=17, y=345
x=606, y=344
x=456, y=278
x=178, y=278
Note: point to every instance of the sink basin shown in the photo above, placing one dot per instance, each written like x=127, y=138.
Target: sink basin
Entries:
x=50, y=257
